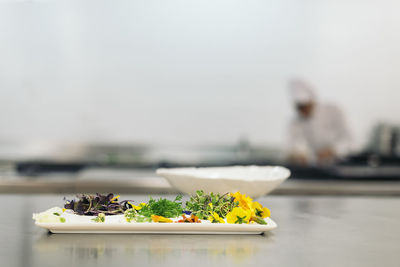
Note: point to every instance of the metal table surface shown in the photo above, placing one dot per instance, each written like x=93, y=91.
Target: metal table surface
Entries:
x=312, y=231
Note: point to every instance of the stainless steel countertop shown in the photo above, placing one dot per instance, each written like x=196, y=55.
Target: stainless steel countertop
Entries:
x=312, y=231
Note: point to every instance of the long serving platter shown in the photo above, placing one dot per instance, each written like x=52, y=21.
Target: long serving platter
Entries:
x=158, y=228
x=232, y=213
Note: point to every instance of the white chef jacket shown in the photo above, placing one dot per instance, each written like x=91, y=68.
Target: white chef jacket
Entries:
x=326, y=128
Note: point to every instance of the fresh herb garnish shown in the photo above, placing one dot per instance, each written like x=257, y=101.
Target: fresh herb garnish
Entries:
x=258, y=220
x=204, y=205
x=95, y=204
x=132, y=215
x=233, y=208
x=162, y=207
x=100, y=218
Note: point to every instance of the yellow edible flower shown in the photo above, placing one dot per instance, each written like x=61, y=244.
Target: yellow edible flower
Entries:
x=115, y=198
x=160, y=219
x=244, y=201
x=258, y=210
x=238, y=215
x=136, y=207
x=141, y=205
x=214, y=218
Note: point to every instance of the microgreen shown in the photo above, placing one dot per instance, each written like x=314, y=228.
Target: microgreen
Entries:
x=131, y=215
x=100, y=218
x=95, y=204
x=258, y=220
x=204, y=205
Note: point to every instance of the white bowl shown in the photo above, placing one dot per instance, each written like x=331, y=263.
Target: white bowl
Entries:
x=254, y=181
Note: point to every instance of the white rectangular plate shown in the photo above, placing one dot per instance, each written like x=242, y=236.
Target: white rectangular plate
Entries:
x=158, y=228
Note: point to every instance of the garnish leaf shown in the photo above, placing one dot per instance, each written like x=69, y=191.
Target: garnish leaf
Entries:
x=100, y=218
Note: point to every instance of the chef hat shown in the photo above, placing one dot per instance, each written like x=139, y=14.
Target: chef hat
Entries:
x=302, y=92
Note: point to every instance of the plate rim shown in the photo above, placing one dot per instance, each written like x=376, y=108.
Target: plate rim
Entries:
x=167, y=228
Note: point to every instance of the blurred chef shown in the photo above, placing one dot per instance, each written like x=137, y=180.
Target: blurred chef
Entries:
x=318, y=134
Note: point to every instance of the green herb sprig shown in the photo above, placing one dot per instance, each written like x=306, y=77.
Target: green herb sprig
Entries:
x=162, y=207
x=100, y=218
x=131, y=215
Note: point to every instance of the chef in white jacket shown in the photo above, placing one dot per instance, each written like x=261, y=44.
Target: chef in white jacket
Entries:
x=318, y=134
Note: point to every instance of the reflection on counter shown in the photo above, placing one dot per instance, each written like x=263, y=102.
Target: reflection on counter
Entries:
x=148, y=247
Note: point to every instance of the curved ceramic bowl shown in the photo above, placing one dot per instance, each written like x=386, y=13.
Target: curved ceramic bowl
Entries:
x=254, y=181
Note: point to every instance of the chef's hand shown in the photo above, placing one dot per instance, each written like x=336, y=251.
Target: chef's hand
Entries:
x=326, y=156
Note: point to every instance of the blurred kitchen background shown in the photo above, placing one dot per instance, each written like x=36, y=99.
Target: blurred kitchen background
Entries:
x=95, y=95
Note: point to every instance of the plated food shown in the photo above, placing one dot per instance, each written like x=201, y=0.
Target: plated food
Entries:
x=204, y=212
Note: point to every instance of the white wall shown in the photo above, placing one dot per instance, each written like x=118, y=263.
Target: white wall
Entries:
x=189, y=72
